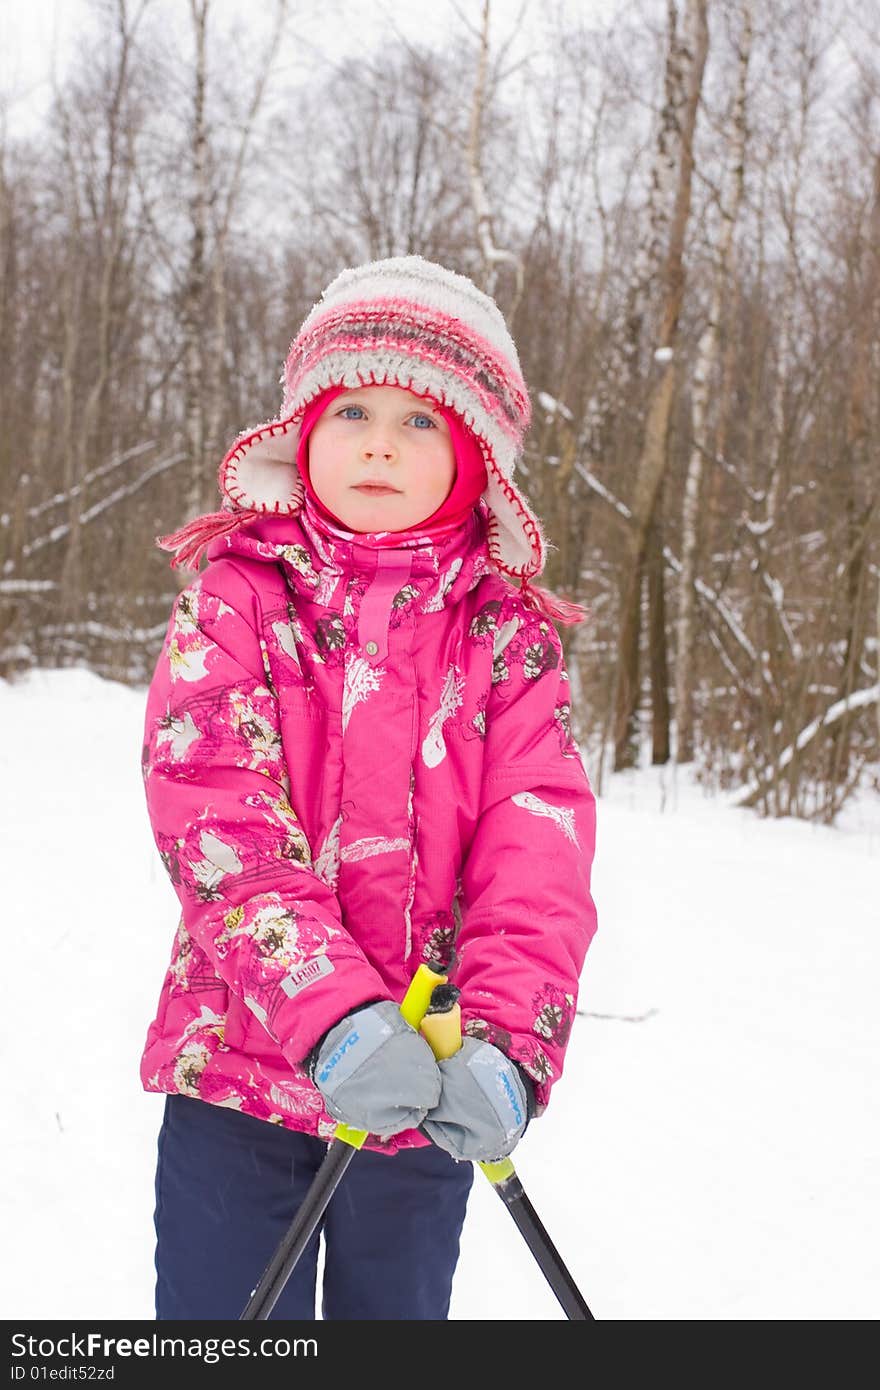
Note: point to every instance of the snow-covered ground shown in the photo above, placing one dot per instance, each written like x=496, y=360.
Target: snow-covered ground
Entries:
x=712, y=1152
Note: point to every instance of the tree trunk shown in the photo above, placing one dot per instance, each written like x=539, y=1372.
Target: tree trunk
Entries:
x=687, y=59
x=657, y=646
x=705, y=371
x=492, y=255
x=877, y=639
x=194, y=296
x=216, y=345
x=626, y=693
x=857, y=464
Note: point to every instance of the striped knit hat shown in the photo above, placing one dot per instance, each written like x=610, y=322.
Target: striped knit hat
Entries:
x=400, y=322
x=403, y=322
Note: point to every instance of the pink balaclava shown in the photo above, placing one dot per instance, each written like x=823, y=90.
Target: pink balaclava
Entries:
x=470, y=478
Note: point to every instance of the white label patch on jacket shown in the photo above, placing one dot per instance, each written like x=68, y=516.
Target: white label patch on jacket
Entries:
x=434, y=745
x=305, y=975
x=361, y=679
x=561, y=817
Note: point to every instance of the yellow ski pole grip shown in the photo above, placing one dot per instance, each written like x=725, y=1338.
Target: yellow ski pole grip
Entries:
x=441, y=1029
x=413, y=1007
x=441, y=1024
x=417, y=1000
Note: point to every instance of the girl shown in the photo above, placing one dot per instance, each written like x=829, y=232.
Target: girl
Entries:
x=357, y=758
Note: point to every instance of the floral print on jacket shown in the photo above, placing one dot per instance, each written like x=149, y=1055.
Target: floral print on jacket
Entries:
x=358, y=758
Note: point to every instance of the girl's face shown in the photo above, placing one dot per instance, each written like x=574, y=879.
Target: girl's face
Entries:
x=388, y=438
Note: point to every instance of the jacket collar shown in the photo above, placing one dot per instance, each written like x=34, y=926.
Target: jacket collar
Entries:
x=320, y=561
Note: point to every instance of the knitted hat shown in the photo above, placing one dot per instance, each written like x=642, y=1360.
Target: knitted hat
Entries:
x=403, y=322
x=400, y=322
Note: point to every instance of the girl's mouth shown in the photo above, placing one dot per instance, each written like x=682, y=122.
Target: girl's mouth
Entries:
x=375, y=489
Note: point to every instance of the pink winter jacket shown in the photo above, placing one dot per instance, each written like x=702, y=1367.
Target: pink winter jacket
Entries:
x=357, y=759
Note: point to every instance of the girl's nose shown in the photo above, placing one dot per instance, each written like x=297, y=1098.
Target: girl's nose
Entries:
x=378, y=445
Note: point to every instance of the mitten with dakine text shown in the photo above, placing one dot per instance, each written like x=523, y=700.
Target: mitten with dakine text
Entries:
x=484, y=1104
x=375, y=1072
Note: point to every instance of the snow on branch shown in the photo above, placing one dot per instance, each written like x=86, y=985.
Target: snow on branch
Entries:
x=551, y=406
x=27, y=586
x=593, y=482
x=127, y=490
x=859, y=699
x=777, y=594
x=89, y=628
x=715, y=601
x=60, y=498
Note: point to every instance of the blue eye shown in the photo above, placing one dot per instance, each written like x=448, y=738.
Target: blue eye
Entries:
x=421, y=421
x=346, y=412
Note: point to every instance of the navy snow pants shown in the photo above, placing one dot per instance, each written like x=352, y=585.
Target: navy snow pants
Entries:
x=228, y=1187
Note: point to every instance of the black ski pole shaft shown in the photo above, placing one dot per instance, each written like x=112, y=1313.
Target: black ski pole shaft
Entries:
x=549, y=1260
x=279, y=1269
x=441, y=1026
x=342, y=1150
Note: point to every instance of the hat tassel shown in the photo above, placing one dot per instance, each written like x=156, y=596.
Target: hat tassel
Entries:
x=192, y=540
x=561, y=610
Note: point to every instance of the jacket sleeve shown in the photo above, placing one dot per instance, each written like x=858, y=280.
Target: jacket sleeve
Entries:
x=219, y=803
x=527, y=911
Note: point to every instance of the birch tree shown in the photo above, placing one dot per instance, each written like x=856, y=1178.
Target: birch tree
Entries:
x=492, y=256
x=216, y=184
x=704, y=376
x=194, y=305
x=688, y=45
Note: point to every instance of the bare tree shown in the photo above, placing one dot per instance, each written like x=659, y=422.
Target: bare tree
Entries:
x=492, y=255
x=216, y=188
x=686, y=58
x=705, y=370
x=193, y=301
x=720, y=440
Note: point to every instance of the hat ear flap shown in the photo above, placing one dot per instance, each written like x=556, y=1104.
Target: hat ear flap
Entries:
x=259, y=472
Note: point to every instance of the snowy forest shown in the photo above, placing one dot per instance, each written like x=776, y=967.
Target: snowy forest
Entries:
x=676, y=204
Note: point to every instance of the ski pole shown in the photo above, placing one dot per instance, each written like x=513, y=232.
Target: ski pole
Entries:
x=345, y=1144
x=503, y=1178
x=441, y=1028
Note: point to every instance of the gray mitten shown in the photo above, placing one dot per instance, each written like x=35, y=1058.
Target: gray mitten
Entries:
x=483, y=1109
x=375, y=1072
